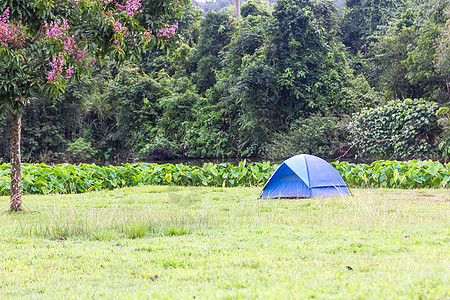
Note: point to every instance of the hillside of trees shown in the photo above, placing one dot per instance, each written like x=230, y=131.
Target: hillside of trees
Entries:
x=367, y=81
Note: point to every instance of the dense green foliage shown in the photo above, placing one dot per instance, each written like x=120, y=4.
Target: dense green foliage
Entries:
x=363, y=19
x=411, y=54
x=396, y=174
x=316, y=135
x=397, y=130
x=67, y=179
x=443, y=115
x=284, y=79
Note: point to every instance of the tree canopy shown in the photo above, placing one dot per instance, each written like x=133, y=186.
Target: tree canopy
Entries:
x=44, y=44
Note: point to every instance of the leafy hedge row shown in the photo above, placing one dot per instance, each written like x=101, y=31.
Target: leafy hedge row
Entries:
x=65, y=178
x=396, y=174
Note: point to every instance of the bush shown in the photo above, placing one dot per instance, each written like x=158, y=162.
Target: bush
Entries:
x=160, y=149
x=135, y=97
x=81, y=150
x=444, y=140
x=316, y=135
x=398, y=130
x=66, y=179
x=412, y=174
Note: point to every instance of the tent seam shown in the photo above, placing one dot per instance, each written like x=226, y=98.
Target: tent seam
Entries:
x=309, y=178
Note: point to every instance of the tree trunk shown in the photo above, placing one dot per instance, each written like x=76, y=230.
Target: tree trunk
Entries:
x=238, y=9
x=16, y=172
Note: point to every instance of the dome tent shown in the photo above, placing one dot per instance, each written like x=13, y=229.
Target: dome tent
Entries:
x=304, y=176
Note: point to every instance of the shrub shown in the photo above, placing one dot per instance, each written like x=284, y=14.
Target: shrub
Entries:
x=316, y=135
x=81, y=150
x=398, y=130
x=160, y=149
x=411, y=174
x=66, y=178
x=444, y=140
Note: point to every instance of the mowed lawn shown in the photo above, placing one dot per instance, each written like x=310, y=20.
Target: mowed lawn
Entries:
x=207, y=243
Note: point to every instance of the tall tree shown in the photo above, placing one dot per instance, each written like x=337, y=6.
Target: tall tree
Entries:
x=301, y=48
x=45, y=44
x=255, y=8
x=238, y=9
x=363, y=18
x=412, y=55
x=442, y=61
x=215, y=31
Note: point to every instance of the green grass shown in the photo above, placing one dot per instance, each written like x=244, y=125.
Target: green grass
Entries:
x=225, y=243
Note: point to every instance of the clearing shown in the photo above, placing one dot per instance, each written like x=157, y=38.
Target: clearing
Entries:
x=185, y=242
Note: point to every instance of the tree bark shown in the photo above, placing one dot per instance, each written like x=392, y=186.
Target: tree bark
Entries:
x=16, y=172
x=238, y=9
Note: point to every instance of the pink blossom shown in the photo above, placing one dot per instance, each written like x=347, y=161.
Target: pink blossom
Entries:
x=57, y=65
x=24, y=101
x=5, y=16
x=69, y=72
x=120, y=31
x=58, y=69
x=119, y=27
x=167, y=32
x=131, y=7
x=5, y=29
x=164, y=33
x=81, y=54
x=58, y=31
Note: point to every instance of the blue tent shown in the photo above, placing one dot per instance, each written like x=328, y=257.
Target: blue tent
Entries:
x=304, y=176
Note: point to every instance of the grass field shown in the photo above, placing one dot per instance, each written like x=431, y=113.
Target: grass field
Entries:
x=203, y=243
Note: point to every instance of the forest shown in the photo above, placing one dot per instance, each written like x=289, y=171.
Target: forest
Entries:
x=363, y=80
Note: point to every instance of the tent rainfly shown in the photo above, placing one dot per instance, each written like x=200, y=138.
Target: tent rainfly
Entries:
x=304, y=176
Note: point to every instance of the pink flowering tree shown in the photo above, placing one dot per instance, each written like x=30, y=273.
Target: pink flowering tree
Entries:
x=45, y=44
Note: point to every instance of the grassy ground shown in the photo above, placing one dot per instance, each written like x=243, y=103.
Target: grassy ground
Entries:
x=163, y=242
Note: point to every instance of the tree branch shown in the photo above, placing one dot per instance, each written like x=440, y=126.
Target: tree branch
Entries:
x=38, y=34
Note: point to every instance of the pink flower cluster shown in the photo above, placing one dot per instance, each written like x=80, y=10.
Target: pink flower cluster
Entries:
x=165, y=33
x=120, y=30
x=5, y=29
x=433, y=9
x=131, y=7
x=5, y=16
x=58, y=69
x=58, y=31
x=119, y=27
x=102, y=2
x=57, y=65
